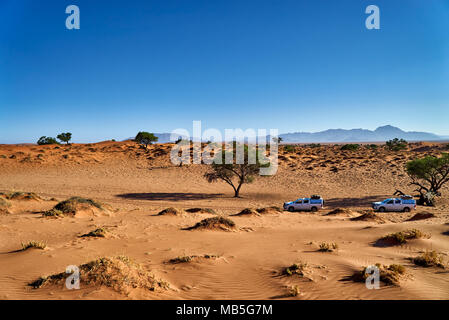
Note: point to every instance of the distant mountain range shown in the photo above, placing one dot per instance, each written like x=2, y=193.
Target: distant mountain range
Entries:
x=381, y=134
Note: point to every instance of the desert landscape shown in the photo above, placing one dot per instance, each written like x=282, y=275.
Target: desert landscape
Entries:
x=139, y=227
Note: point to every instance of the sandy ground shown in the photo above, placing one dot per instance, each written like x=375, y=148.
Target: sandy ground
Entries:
x=137, y=184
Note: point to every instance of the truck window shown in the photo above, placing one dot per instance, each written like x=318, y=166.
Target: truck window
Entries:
x=398, y=202
x=390, y=202
x=306, y=201
x=298, y=201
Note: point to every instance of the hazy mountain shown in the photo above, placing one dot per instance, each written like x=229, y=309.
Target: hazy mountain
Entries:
x=358, y=135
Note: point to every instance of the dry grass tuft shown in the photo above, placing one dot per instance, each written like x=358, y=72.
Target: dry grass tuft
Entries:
x=97, y=233
x=300, y=269
x=400, y=238
x=328, y=247
x=247, y=212
x=119, y=273
x=269, y=210
x=215, y=223
x=294, y=291
x=170, y=212
x=430, y=259
x=201, y=210
x=369, y=216
x=390, y=275
x=186, y=259
x=421, y=216
x=17, y=195
x=33, y=245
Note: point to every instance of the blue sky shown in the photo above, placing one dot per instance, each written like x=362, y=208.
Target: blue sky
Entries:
x=159, y=65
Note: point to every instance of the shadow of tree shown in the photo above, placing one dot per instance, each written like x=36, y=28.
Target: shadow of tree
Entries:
x=169, y=196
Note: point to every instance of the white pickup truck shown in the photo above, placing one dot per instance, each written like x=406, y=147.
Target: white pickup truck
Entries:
x=404, y=204
x=313, y=204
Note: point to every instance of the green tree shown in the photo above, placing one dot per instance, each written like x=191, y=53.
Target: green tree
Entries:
x=233, y=173
x=396, y=144
x=145, y=138
x=429, y=174
x=65, y=137
x=47, y=140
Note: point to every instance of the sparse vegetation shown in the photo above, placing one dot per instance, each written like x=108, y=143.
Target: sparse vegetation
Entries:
x=430, y=259
x=396, y=144
x=186, y=259
x=46, y=140
x=429, y=175
x=350, y=147
x=33, y=245
x=400, y=238
x=390, y=275
x=328, y=247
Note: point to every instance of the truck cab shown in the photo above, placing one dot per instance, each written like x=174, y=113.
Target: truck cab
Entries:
x=314, y=203
x=404, y=204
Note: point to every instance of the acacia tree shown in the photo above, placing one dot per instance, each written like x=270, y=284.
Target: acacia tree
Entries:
x=145, y=138
x=429, y=174
x=65, y=137
x=234, y=174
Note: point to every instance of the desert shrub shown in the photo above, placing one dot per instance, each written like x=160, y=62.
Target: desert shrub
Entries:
x=430, y=259
x=296, y=269
x=313, y=145
x=403, y=236
x=328, y=247
x=396, y=144
x=372, y=146
x=46, y=140
x=4, y=203
x=389, y=275
x=221, y=223
x=53, y=213
x=289, y=148
x=294, y=291
x=119, y=273
x=33, y=245
x=170, y=211
x=97, y=233
x=350, y=147
x=70, y=205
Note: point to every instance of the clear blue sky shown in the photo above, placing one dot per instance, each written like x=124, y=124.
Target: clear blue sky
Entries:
x=158, y=65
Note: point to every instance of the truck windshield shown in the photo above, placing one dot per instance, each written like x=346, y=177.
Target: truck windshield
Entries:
x=385, y=201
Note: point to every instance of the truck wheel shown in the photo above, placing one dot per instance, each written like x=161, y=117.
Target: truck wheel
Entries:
x=291, y=209
x=314, y=209
x=381, y=209
x=406, y=209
